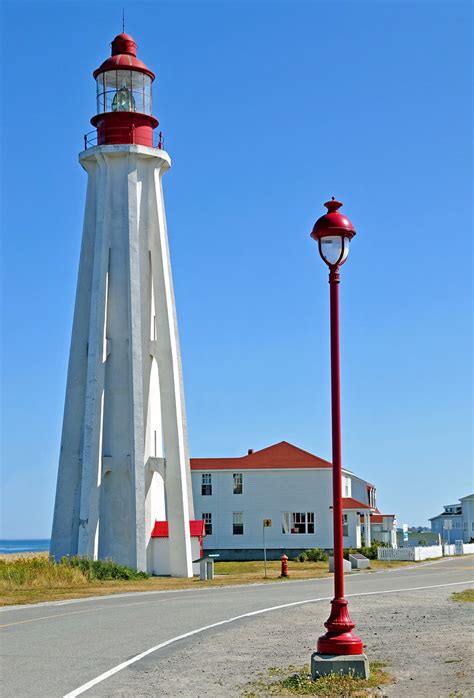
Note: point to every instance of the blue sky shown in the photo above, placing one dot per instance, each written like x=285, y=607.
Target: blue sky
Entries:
x=268, y=109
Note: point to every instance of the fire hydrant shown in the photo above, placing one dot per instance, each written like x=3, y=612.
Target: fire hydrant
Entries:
x=284, y=566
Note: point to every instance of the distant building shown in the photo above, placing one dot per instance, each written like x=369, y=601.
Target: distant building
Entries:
x=291, y=487
x=456, y=522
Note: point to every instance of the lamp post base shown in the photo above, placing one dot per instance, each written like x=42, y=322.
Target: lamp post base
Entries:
x=339, y=638
x=324, y=664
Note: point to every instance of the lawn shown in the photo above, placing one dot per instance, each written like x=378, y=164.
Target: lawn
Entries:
x=33, y=578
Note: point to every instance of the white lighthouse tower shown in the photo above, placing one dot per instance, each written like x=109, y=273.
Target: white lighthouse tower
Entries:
x=124, y=460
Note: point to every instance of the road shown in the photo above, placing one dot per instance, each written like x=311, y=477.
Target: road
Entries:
x=57, y=648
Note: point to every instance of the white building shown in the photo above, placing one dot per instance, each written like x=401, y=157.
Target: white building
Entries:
x=124, y=454
x=456, y=522
x=291, y=487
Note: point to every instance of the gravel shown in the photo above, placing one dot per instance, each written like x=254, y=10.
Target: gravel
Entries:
x=425, y=639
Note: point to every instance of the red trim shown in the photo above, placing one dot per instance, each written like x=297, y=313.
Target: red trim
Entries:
x=281, y=455
x=161, y=530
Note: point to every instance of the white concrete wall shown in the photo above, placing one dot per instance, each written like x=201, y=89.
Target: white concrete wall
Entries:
x=266, y=494
x=124, y=396
x=161, y=556
x=353, y=540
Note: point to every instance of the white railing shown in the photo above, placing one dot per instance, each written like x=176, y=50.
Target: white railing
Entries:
x=425, y=552
x=396, y=553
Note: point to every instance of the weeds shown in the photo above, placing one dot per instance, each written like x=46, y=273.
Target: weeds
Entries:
x=300, y=683
x=466, y=595
x=41, y=572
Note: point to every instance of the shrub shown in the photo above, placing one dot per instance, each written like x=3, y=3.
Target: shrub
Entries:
x=102, y=570
x=302, y=557
x=312, y=555
x=316, y=555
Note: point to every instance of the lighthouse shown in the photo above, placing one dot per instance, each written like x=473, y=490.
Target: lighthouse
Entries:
x=124, y=463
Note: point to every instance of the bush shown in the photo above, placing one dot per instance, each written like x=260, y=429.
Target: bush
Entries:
x=302, y=557
x=368, y=551
x=312, y=555
x=102, y=570
x=316, y=555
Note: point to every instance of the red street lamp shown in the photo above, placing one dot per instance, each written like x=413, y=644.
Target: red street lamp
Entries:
x=333, y=233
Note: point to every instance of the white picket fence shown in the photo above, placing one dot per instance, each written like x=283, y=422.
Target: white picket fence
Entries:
x=418, y=553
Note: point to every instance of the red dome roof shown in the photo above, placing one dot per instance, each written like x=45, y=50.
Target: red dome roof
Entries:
x=124, y=43
x=124, y=56
x=333, y=222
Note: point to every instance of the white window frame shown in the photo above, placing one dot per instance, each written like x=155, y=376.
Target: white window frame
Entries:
x=238, y=483
x=291, y=520
x=345, y=525
x=206, y=484
x=207, y=518
x=237, y=520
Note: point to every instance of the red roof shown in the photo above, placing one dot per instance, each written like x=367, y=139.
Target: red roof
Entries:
x=349, y=503
x=281, y=455
x=124, y=56
x=160, y=529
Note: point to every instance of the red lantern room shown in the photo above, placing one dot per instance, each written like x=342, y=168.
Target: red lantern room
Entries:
x=124, y=100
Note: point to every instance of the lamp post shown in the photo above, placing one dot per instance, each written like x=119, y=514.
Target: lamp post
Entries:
x=333, y=233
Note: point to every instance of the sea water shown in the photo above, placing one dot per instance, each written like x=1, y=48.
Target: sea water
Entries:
x=26, y=545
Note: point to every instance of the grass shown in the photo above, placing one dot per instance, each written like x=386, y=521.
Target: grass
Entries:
x=31, y=578
x=294, y=681
x=465, y=596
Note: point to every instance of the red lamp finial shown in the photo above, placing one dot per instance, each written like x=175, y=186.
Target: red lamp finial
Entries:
x=333, y=205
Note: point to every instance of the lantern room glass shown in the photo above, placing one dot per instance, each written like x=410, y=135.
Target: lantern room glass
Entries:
x=124, y=90
x=334, y=249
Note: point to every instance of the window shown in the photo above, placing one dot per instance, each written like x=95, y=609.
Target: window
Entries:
x=345, y=525
x=297, y=522
x=465, y=525
x=237, y=483
x=237, y=523
x=207, y=516
x=372, y=497
x=347, y=486
x=206, y=484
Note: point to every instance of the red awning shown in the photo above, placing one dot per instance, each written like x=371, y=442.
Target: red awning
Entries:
x=160, y=529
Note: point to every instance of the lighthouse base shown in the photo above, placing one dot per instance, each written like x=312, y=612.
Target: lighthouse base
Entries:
x=342, y=665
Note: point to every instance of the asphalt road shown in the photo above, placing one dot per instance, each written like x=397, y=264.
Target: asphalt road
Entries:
x=55, y=649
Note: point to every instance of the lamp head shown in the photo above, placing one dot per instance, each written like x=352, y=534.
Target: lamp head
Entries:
x=333, y=232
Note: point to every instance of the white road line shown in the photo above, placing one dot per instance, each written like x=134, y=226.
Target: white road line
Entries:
x=107, y=674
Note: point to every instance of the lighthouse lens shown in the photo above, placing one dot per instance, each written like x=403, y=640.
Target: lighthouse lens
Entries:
x=123, y=100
